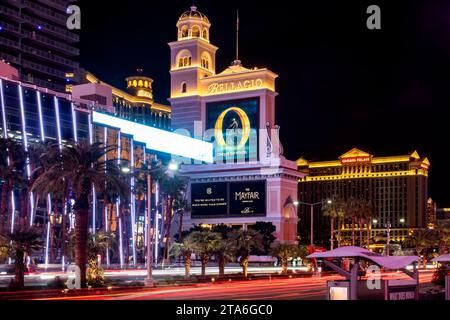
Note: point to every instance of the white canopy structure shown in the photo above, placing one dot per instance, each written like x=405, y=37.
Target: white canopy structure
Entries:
x=388, y=262
x=358, y=254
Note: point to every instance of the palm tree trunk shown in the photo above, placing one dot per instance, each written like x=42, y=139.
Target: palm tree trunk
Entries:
x=187, y=265
x=244, y=264
x=53, y=231
x=81, y=237
x=369, y=231
x=221, y=266
x=353, y=230
x=339, y=231
x=180, y=226
x=19, y=269
x=361, y=232
x=168, y=225
x=284, y=265
x=4, y=207
x=205, y=259
x=332, y=234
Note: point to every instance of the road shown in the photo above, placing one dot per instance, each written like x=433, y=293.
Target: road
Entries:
x=312, y=288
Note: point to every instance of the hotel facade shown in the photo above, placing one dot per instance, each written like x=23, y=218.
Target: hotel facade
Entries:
x=396, y=186
x=250, y=179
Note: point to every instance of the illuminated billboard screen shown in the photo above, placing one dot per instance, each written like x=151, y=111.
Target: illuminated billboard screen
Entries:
x=233, y=126
x=209, y=199
x=228, y=199
x=248, y=198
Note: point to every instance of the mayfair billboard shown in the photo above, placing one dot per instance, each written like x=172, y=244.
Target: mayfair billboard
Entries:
x=228, y=199
x=233, y=127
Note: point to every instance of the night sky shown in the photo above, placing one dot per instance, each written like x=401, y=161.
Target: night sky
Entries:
x=340, y=85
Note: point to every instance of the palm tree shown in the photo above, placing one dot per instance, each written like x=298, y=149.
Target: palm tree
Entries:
x=335, y=211
x=185, y=250
x=83, y=166
x=284, y=252
x=206, y=244
x=443, y=228
x=422, y=239
x=352, y=207
x=98, y=244
x=245, y=241
x=367, y=214
x=225, y=252
x=22, y=241
x=173, y=187
x=12, y=172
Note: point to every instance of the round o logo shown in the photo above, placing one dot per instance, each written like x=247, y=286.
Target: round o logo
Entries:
x=245, y=121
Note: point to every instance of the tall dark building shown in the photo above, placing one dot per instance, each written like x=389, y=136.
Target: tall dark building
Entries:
x=34, y=38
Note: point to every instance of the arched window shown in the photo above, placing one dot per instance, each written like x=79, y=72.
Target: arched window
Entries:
x=184, y=59
x=195, y=31
x=205, y=34
x=184, y=32
x=135, y=83
x=205, y=60
x=183, y=87
x=140, y=83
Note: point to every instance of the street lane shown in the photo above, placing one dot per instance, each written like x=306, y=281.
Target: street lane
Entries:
x=312, y=288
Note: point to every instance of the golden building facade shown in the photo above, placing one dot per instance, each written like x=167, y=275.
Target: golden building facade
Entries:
x=395, y=185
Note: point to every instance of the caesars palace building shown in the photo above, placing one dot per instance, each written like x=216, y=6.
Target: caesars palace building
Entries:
x=249, y=180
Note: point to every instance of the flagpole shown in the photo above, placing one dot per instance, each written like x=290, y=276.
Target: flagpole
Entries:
x=237, y=35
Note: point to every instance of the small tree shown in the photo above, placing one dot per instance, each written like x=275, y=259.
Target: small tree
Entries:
x=206, y=244
x=266, y=229
x=22, y=241
x=284, y=252
x=185, y=250
x=422, y=239
x=245, y=241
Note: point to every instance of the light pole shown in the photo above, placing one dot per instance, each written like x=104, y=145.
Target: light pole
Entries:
x=312, y=215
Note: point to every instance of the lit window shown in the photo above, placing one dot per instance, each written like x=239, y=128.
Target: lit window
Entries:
x=195, y=31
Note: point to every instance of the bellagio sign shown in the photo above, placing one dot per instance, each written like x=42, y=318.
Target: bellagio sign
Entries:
x=230, y=86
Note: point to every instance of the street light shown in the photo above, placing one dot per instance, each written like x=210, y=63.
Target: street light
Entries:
x=312, y=214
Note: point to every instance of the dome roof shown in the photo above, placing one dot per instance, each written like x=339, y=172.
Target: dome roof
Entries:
x=193, y=14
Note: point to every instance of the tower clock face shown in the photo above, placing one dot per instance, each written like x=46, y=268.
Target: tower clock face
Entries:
x=232, y=126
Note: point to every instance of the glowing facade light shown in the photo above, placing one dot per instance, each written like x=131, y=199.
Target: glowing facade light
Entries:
x=58, y=123
x=120, y=233
x=2, y=101
x=47, y=241
x=94, y=208
x=91, y=134
x=41, y=121
x=133, y=204
x=13, y=211
x=156, y=218
x=159, y=140
x=74, y=122
x=119, y=148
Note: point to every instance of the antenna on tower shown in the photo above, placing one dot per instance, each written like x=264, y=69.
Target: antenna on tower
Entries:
x=237, y=62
